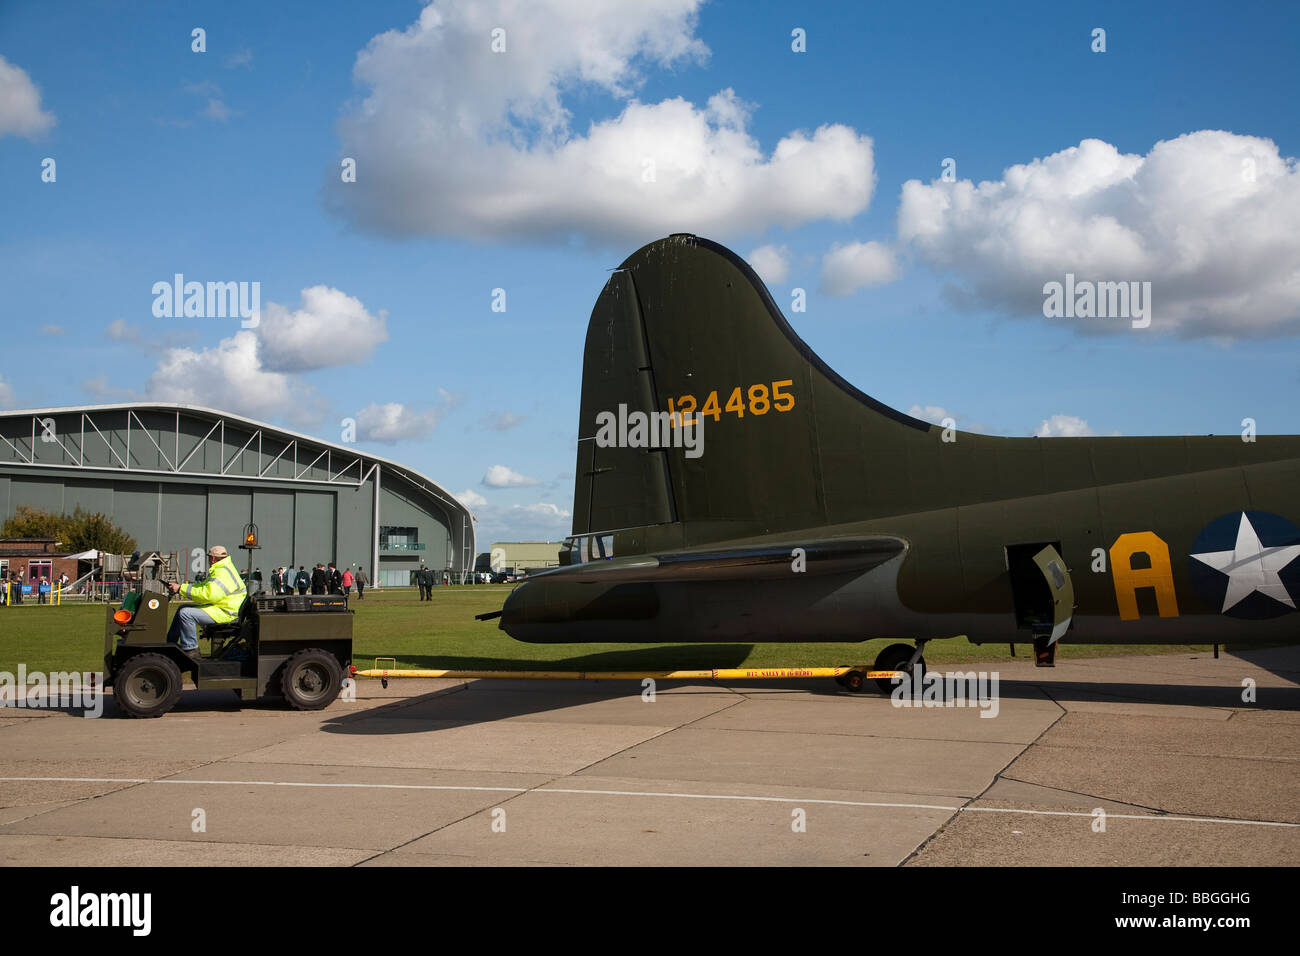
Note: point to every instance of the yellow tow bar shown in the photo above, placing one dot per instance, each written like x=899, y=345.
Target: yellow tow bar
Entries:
x=862, y=674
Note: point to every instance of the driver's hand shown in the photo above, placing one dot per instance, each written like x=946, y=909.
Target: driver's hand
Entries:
x=173, y=587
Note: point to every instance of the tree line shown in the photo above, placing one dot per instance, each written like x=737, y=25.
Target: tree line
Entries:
x=79, y=531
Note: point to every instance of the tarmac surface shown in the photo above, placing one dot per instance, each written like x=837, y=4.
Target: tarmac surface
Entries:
x=496, y=772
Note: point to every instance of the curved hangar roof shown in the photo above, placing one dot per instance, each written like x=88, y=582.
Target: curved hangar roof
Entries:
x=172, y=439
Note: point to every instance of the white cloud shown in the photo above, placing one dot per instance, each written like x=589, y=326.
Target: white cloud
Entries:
x=1063, y=426
x=242, y=57
x=229, y=377
x=542, y=509
x=119, y=330
x=52, y=330
x=499, y=476
x=470, y=498
x=1207, y=218
x=847, y=268
x=217, y=110
x=20, y=104
x=102, y=387
x=331, y=328
x=393, y=421
x=451, y=138
x=6, y=395
x=541, y=521
x=501, y=422
x=772, y=263
x=935, y=414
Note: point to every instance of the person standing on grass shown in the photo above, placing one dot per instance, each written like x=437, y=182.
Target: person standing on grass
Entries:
x=303, y=580
x=362, y=581
x=347, y=582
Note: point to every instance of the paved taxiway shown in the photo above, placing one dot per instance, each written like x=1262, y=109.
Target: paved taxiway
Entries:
x=590, y=773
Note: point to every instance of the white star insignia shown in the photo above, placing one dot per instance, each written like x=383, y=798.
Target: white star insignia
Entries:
x=1251, y=567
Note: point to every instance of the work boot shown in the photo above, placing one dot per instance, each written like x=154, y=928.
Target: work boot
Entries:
x=194, y=654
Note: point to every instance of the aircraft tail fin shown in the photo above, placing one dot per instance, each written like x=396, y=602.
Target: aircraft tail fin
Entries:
x=685, y=328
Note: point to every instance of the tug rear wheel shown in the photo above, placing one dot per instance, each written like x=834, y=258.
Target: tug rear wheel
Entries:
x=311, y=679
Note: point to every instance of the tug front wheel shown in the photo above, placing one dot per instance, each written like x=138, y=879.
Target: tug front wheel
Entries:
x=147, y=685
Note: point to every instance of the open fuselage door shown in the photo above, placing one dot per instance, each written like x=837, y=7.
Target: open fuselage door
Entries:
x=1043, y=594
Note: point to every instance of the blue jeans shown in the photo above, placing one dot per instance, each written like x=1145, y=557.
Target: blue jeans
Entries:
x=185, y=626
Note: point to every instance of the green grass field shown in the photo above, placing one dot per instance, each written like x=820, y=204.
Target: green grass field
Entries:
x=443, y=634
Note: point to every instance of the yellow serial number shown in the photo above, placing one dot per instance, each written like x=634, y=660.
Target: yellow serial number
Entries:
x=756, y=399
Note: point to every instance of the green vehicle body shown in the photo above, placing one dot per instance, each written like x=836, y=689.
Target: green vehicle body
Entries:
x=248, y=656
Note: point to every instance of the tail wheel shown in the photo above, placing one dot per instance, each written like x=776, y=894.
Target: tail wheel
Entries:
x=311, y=679
x=147, y=685
x=896, y=657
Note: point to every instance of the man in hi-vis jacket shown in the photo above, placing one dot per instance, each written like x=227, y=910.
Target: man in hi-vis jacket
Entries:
x=216, y=601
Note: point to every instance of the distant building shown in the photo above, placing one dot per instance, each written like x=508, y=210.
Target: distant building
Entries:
x=520, y=556
x=33, y=561
x=181, y=478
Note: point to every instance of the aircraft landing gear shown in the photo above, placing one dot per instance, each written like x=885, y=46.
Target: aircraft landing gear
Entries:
x=899, y=657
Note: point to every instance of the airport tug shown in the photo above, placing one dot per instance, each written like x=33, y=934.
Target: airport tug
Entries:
x=298, y=647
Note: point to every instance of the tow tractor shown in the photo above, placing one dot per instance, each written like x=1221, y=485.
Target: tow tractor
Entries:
x=298, y=647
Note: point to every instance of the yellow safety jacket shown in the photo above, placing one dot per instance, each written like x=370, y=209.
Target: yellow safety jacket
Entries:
x=221, y=594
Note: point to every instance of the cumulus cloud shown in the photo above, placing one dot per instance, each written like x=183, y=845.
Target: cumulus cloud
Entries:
x=849, y=267
x=217, y=110
x=470, y=498
x=242, y=57
x=20, y=104
x=6, y=395
x=1063, y=426
x=772, y=263
x=393, y=421
x=253, y=371
x=229, y=377
x=934, y=414
x=104, y=388
x=451, y=138
x=1207, y=218
x=501, y=422
x=542, y=509
x=499, y=476
x=331, y=328
x=120, y=330
x=541, y=521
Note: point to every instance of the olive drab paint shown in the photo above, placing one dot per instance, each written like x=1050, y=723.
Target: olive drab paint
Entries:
x=821, y=514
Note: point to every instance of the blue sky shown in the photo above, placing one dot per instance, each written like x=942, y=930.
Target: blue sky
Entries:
x=479, y=171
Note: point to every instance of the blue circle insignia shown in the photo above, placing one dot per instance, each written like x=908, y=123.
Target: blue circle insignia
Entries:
x=1247, y=565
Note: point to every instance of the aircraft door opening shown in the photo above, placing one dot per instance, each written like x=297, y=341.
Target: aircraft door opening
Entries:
x=1043, y=594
